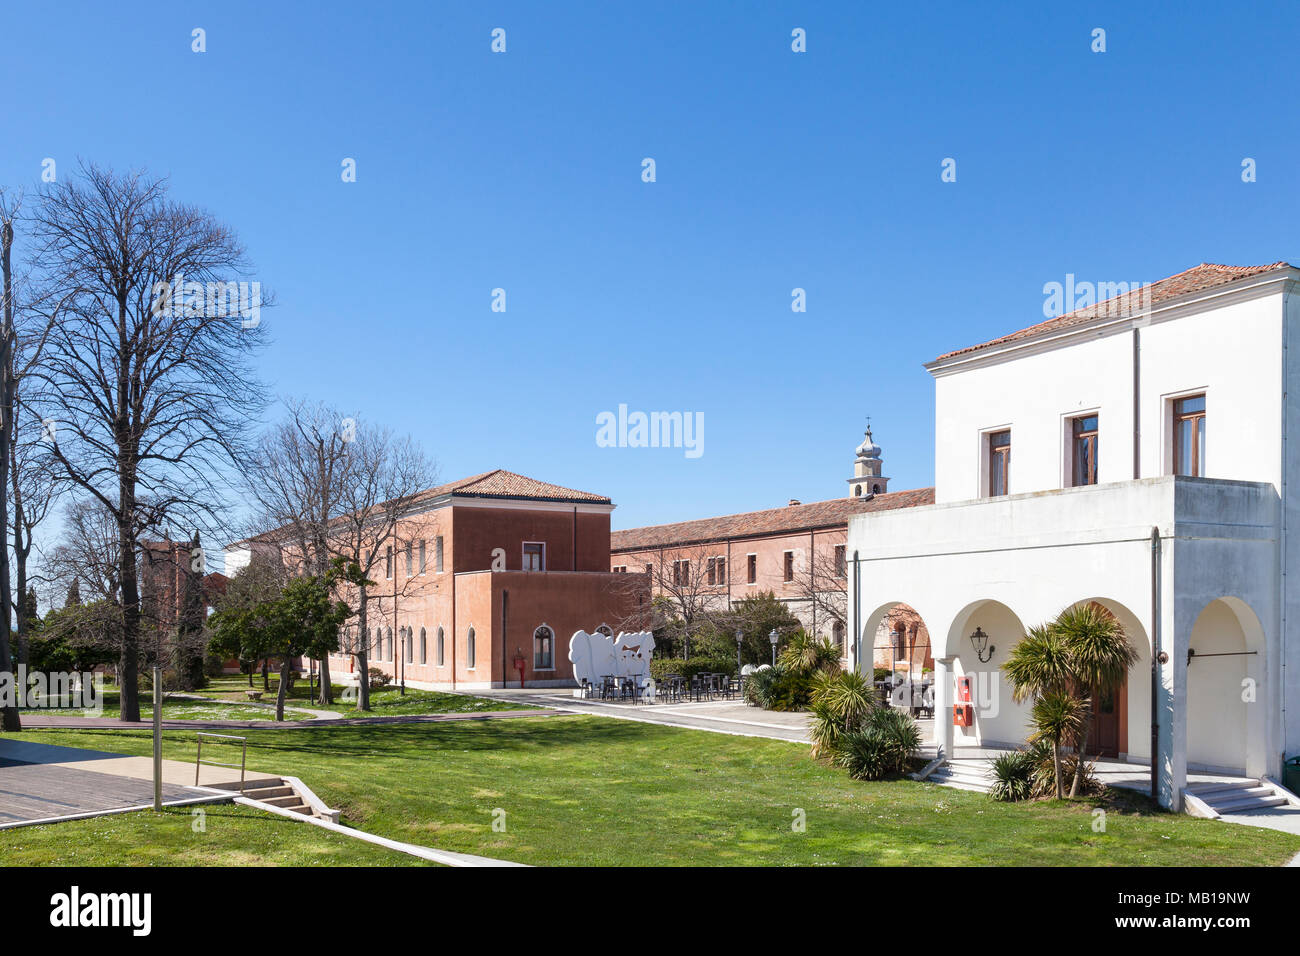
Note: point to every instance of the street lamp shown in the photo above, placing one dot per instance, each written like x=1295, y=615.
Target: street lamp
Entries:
x=980, y=640
x=773, y=638
x=740, y=637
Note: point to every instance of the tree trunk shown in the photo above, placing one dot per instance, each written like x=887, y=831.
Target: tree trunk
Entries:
x=266, y=673
x=1079, y=760
x=1056, y=761
x=325, y=696
x=129, y=662
x=285, y=664
x=363, y=652
x=9, y=719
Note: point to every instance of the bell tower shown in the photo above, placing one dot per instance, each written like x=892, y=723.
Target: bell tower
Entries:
x=867, y=479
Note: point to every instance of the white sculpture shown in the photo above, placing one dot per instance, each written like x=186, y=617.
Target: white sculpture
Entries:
x=595, y=655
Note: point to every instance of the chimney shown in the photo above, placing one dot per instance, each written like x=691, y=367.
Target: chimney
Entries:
x=793, y=502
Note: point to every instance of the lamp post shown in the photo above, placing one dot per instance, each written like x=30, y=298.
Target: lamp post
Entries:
x=980, y=640
x=740, y=637
x=773, y=637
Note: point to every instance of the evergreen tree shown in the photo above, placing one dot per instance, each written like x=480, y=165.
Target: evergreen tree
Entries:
x=191, y=642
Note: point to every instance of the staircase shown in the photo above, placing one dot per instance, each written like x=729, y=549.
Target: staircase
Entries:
x=279, y=793
x=971, y=773
x=1236, y=796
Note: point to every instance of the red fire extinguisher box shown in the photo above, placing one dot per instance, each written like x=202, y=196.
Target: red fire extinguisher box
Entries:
x=963, y=715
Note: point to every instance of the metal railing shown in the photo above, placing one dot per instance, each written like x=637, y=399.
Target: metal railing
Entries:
x=243, y=758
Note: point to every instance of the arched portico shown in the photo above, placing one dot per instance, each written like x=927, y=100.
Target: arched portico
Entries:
x=1225, y=689
x=978, y=640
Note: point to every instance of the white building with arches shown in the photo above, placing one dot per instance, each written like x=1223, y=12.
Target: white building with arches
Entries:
x=1152, y=437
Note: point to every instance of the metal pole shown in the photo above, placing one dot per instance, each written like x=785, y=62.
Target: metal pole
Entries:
x=157, y=737
x=1155, y=663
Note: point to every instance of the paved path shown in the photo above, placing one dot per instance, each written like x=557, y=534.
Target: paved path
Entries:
x=722, y=717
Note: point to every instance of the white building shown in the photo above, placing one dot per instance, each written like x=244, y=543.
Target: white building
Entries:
x=1153, y=437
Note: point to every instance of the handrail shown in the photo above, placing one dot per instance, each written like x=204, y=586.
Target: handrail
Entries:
x=243, y=759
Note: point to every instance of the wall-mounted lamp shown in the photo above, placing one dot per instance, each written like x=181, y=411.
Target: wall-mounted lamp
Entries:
x=981, y=641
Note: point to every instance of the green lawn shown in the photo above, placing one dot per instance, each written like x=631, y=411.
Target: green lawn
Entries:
x=230, y=836
x=584, y=790
x=178, y=709
x=386, y=702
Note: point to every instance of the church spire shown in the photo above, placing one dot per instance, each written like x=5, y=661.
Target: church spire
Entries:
x=867, y=478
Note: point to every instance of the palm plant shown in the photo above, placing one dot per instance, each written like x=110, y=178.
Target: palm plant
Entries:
x=1100, y=657
x=1039, y=664
x=805, y=654
x=841, y=701
x=1058, y=716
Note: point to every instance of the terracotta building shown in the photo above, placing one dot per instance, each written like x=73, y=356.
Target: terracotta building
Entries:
x=487, y=576
x=796, y=552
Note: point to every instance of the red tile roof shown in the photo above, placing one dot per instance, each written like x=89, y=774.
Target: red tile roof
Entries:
x=1196, y=279
x=812, y=516
x=507, y=484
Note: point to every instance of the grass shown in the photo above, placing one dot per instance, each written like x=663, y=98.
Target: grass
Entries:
x=230, y=836
x=177, y=709
x=583, y=790
x=388, y=701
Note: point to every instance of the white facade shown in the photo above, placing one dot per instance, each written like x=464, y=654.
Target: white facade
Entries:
x=1008, y=562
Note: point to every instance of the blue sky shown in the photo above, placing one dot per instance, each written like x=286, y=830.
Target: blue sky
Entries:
x=775, y=170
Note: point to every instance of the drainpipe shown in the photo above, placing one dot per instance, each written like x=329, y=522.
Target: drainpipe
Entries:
x=1137, y=404
x=505, y=609
x=857, y=613
x=1155, y=662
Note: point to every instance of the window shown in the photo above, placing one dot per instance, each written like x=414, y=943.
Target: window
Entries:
x=1083, y=450
x=424, y=647
x=999, y=463
x=378, y=649
x=424, y=564
x=410, y=558
x=410, y=645
x=837, y=635
x=471, y=653
x=543, y=649
x=620, y=569
x=717, y=570
x=649, y=569
x=388, y=651
x=787, y=570
x=388, y=562
x=681, y=573
x=1189, y=436
x=442, y=647
x=534, y=556
x=606, y=630
x=437, y=554
x=751, y=570
x=711, y=571
x=841, y=561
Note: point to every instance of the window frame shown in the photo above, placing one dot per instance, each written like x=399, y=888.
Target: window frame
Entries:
x=1200, y=435
x=537, y=632
x=1073, y=437
x=524, y=552
x=993, y=451
x=751, y=568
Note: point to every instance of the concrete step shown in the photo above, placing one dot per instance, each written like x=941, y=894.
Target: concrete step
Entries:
x=297, y=808
x=1232, y=793
x=963, y=776
x=1248, y=803
x=289, y=802
x=268, y=793
x=1217, y=786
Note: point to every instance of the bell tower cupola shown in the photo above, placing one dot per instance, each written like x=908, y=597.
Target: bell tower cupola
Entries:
x=867, y=479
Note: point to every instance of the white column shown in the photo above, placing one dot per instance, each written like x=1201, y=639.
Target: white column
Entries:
x=943, y=694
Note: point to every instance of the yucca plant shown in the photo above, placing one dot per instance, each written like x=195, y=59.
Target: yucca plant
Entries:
x=883, y=745
x=1100, y=655
x=1013, y=776
x=805, y=654
x=1058, y=716
x=841, y=702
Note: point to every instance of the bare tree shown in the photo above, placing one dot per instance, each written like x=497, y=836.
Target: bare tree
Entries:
x=385, y=475
x=689, y=589
x=33, y=492
x=821, y=589
x=148, y=373
x=297, y=479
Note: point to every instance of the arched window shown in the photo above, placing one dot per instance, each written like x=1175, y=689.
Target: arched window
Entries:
x=388, y=651
x=410, y=645
x=442, y=647
x=837, y=635
x=377, y=650
x=470, y=654
x=543, y=649
x=606, y=630
x=424, y=647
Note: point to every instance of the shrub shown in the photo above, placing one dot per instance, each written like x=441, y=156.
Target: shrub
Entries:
x=775, y=688
x=805, y=654
x=882, y=673
x=378, y=678
x=841, y=703
x=1044, y=770
x=661, y=667
x=1013, y=776
x=883, y=746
